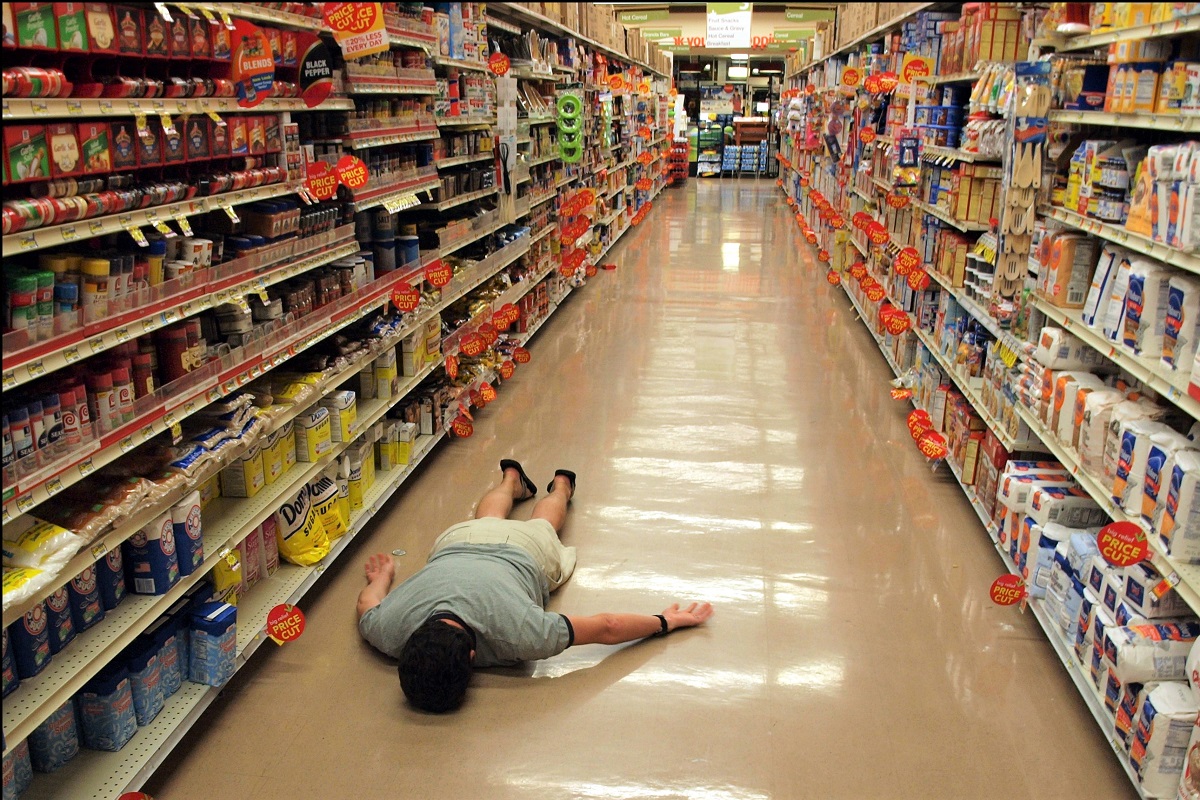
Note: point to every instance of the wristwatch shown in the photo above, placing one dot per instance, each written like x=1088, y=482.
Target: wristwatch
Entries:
x=665, y=629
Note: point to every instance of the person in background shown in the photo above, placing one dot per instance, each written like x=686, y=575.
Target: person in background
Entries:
x=480, y=600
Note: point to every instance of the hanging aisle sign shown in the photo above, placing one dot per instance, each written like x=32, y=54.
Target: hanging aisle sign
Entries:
x=728, y=25
x=358, y=28
x=253, y=64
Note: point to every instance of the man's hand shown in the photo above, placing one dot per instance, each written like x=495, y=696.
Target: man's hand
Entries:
x=693, y=615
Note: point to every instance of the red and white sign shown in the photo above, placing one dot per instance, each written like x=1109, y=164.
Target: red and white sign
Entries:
x=472, y=345
x=462, y=427
x=358, y=28
x=918, y=280
x=452, y=367
x=867, y=135
x=352, y=172
x=834, y=277
x=252, y=63
x=933, y=445
x=1123, y=544
x=851, y=77
x=507, y=369
x=897, y=200
x=489, y=333
x=406, y=297
x=1007, y=590
x=487, y=392
x=498, y=63
x=285, y=622
x=521, y=356
x=439, y=273
x=901, y=394
x=906, y=261
x=322, y=180
x=877, y=233
x=919, y=423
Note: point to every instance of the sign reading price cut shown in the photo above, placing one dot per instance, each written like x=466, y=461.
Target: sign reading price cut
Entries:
x=871, y=84
x=406, y=297
x=352, y=172
x=511, y=312
x=500, y=320
x=933, y=445
x=472, y=345
x=1007, y=590
x=452, y=367
x=439, y=273
x=1123, y=544
x=877, y=233
x=810, y=236
x=897, y=201
x=521, y=356
x=896, y=322
x=507, y=369
x=867, y=135
x=906, y=261
x=358, y=28
x=918, y=280
x=322, y=180
x=489, y=333
x=901, y=394
x=834, y=277
x=285, y=622
x=645, y=158
x=919, y=424
x=858, y=270
x=875, y=293
x=462, y=427
x=487, y=392
x=499, y=63
x=851, y=77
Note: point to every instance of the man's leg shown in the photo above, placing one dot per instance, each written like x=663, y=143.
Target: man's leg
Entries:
x=498, y=502
x=380, y=571
x=553, y=507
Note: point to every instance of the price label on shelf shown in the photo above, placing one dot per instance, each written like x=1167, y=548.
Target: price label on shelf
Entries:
x=68, y=233
x=37, y=369
x=54, y=486
x=122, y=334
x=74, y=108
x=87, y=468
x=162, y=228
x=95, y=227
x=24, y=504
x=228, y=209
x=136, y=234
x=99, y=551
x=127, y=444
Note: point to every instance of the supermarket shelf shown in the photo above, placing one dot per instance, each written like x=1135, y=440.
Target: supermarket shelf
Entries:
x=1156, y=30
x=39, y=238
x=63, y=351
x=1160, y=122
x=84, y=108
x=454, y=161
x=530, y=74
x=458, y=63
x=933, y=152
x=547, y=120
x=881, y=183
x=462, y=242
x=545, y=198
x=870, y=35
x=396, y=87
x=979, y=313
x=542, y=234
x=1115, y=233
x=543, y=160
x=960, y=77
x=458, y=200
x=409, y=38
x=941, y=214
x=492, y=22
x=459, y=122
x=1171, y=385
x=611, y=217
x=247, y=11
x=367, y=139
x=860, y=193
x=395, y=195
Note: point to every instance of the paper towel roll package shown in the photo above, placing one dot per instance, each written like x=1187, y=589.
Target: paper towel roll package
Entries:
x=1140, y=581
x=18, y=774
x=1164, y=727
x=145, y=679
x=86, y=606
x=1125, y=709
x=1114, y=312
x=163, y=633
x=1097, y=666
x=1179, y=523
x=1066, y=505
x=1036, y=557
x=1064, y=595
x=110, y=576
x=213, y=643
x=1182, y=328
x=1096, y=303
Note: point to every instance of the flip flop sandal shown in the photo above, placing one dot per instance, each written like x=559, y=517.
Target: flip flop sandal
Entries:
x=508, y=463
x=570, y=476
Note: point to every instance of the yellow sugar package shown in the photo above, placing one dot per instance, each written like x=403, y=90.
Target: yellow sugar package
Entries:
x=299, y=532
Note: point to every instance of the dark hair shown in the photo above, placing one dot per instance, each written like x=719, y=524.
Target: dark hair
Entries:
x=435, y=666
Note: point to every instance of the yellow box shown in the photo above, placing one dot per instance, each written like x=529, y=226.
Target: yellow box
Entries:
x=362, y=473
x=406, y=433
x=343, y=411
x=314, y=437
x=210, y=490
x=385, y=374
x=272, y=458
x=244, y=477
x=287, y=445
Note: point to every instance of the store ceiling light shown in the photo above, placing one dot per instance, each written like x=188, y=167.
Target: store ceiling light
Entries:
x=738, y=72
x=739, y=56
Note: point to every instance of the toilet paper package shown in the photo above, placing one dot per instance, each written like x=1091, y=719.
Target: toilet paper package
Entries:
x=1179, y=523
x=59, y=623
x=1126, y=614
x=1140, y=580
x=1189, y=781
x=1142, y=653
x=29, y=639
x=1101, y=622
x=1095, y=572
x=1093, y=428
x=18, y=774
x=86, y=606
x=151, y=562
x=213, y=643
x=145, y=679
x=186, y=528
x=56, y=741
x=1182, y=327
x=110, y=578
x=1130, y=475
x=1146, y=307
x=10, y=680
x=1164, y=727
x=1160, y=461
x=105, y=709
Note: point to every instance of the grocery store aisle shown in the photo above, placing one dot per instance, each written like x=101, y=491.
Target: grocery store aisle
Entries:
x=735, y=442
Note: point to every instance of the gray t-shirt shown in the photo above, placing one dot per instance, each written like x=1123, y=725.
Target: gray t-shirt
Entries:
x=497, y=589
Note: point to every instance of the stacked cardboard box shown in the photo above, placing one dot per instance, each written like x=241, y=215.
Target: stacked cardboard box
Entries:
x=854, y=20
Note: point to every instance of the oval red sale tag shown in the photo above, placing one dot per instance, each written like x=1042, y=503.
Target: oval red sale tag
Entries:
x=521, y=356
x=487, y=392
x=897, y=322
x=439, y=273
x=838, y=221
x=406, y=297
x=906, y=261
x=867, y=135
x=811, y=236
x=851, y=77
x=858, y=269
x=590, y=270
x=489, y=333
x=888, y=81
x=352, y=172
x=644, y=132
x=1007, y=590
x=644, y=185
x=498, y=63
x=823, y=256
x=645, y=158
x=834, y=277
x=875, y=293
x=462, y=427
x=500, y=320
x=1123, y=544
x=322, y=180
x=476, y=399
x=897, y=200
x=918, y=422
x=135, y=796
x=861, y=220
x=871, y=84
x=804, y=183
x=285, y=622
x=472, y=345
x=901, y=394
x=507, y=369
x=877, y=233
x=933, y=445
x=452, y=367
x=918, y=280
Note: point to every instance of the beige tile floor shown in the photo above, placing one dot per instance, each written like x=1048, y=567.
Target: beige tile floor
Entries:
x=731, y=428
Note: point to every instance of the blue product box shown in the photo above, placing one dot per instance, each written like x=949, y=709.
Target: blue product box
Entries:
x=59, y=621
x=18, y=773
x=56, y=741
x=86, y=607
x=110, y=575
x=213, y=643
x=163, y=632
x=145, y=679
x=151, y=565
x=105, y=709
x=189, y=546
x=10, y=680
x=29, y=639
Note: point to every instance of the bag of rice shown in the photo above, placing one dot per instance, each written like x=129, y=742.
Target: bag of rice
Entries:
x=299, y=532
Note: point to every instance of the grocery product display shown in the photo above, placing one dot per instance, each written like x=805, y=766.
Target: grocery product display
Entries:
x=1004, y=194
x=256, y=269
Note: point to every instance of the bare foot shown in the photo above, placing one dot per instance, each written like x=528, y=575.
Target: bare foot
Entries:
x=380, y=568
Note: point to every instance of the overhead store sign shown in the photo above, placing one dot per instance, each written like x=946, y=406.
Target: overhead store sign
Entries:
x=810, y=15
x=658, y=34
x=794, y=34
x=636, y=17
x=728, y=24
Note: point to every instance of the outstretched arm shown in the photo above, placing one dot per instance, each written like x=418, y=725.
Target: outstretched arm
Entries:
x=618, y=628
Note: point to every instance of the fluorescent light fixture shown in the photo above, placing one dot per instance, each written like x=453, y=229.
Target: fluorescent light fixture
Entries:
x=739, y=56
x=738, y=72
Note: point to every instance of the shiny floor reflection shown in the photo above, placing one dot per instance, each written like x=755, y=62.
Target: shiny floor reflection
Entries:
x=730, y=425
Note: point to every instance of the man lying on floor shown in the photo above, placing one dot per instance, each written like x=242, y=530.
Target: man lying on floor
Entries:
x=481, y=599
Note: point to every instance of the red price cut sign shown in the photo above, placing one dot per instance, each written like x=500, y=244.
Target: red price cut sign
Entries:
x=644, y=184
x=810, y=90
x=462, y=427
x=322, y=180
x=858, y=270
x=906, y=261
x=888, y=81
x=406, y=297
x=566, y=270
x=472, y=345
x=352, y=172
x=498, y=63
x=917, y=68
x=588, y=196
x=851, y=76
x=500, y=320
x=897, y=201
x=1007, y=590
x=507, y=369
x=877, y=233
x=875, y=293
x=896, y=322
x=823, y=256
x=644, y=132
x=838, y=221
x=590, y=270
x=918, y=280
x=872, y=85
x=645, y=158
x=489, y=333
x=476, y=399
x=919, y=423
x=487, y=392
x=811, y=236
x=933, y=445
x=511, y=312
x=818, y=198
x=285, y=622
x=804, y=183
x=779, y=182
x=439, y=273
x=135, y=796
x=833, y=277
x=452, y=367
x=615, y=82
x=791, y=201
x=901, y=394
x=522, y=356
x=350, y=17
x=1123, y=544
x=861, y=220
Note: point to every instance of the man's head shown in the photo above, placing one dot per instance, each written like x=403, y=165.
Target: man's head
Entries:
x=435, y=666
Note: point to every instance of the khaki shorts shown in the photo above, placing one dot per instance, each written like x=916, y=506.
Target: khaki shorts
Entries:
x=536, y=536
